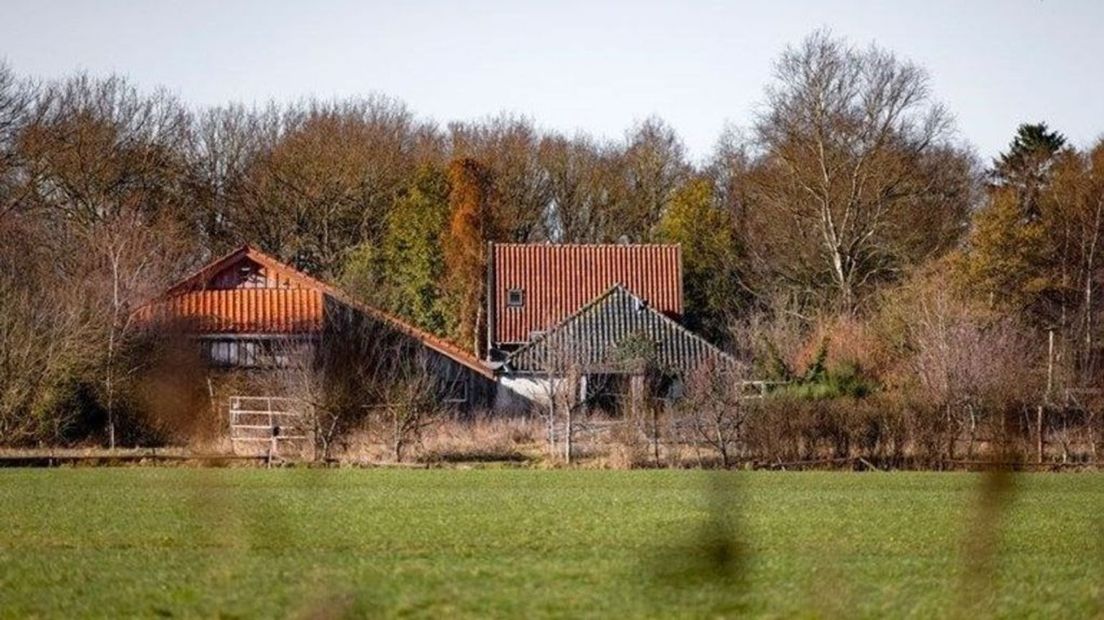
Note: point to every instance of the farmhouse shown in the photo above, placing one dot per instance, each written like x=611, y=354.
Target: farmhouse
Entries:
x=599, y=320
x=252, y=316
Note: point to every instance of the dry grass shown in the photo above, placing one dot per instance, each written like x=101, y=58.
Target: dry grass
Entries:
x=482, y=438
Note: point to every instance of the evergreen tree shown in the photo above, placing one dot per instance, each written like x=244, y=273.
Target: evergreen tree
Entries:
x=412, y=249
x=403, y=273
x=1026, y=165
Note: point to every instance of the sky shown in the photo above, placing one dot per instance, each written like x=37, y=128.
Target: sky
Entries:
x=573, y=66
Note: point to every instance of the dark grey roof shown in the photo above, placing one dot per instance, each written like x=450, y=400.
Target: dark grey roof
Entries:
x=614, y=333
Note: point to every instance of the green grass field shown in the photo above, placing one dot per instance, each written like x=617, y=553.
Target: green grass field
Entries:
x=443, y=543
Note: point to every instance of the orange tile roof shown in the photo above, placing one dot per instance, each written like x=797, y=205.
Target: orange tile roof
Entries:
x=297, y=307
x=240, y=311
x=557, y=280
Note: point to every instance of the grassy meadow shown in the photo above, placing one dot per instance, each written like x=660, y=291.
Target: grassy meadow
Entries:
x=244, y=543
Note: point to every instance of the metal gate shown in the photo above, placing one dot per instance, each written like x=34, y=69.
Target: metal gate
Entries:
x=268, y=425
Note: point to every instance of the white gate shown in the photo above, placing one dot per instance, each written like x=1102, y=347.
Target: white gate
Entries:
x=268, y=425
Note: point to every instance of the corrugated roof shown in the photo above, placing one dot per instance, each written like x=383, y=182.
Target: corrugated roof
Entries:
x=557, y=280
x=294, y=307
x=612, y=332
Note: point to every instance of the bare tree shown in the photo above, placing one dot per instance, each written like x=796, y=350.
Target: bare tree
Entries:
x=324, y=177
x=561, y=367
x=856, y=176
x=584, y=189
x=298, y=372
x=225, y=143
x=971, y=366
x=411, y=402
x=46, y=338
x=1072, y=210
x=138, y=258
x=16, y=99
x=509, y=147
x=655, y=165
x=570, y=375
x=715, y=407
x=364, y=375
x=103, y=167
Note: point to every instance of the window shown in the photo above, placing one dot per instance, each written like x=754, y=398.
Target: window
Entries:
x=515, y=297
x=455, y=386
x=255, y=353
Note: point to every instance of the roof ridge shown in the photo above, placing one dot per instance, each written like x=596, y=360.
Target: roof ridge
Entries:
x=617, y=287
x=571, y=317
x=208, y=266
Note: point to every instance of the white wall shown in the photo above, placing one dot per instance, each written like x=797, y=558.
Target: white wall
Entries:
x=518, y=394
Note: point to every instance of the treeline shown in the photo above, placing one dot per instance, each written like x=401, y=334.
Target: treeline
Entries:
x=846, y=242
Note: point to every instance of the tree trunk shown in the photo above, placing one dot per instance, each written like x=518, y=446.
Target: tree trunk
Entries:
x=552, y=416
x=567, y=433
x=951, y=434
x=722, y=445
x=655, y=434
x=109, y=380
x=1039, y=438
x=396, y=433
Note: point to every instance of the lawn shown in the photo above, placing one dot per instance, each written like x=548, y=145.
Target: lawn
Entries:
x=445, y=543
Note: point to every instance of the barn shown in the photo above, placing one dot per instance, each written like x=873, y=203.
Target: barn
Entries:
x=595, y=320
x=591, y=311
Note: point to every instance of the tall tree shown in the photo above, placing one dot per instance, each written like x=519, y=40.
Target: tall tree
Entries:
x=1045, y=264
x=1025, y=166
x=404, y=272
x=654, y=166
x=472, y=209
x=16, y=98
x=857, y=177
x=98, y=147
x=105, y=166
x=585, y=189
x=227, y=142
x=1076, y=200
x=327, y=181
x=710, y=254
x=509, y=147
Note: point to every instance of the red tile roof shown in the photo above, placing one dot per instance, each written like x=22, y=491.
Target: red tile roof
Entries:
x=276, y=299
x=241, y=311
x=557, y=280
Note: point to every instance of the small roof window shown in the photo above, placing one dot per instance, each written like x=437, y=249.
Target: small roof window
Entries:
x=515, y=297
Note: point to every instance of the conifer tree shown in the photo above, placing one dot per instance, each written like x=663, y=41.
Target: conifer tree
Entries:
x=1026, y=166
x=412, y=249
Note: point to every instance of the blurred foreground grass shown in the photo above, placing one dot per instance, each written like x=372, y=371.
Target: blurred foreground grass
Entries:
x=246, y=543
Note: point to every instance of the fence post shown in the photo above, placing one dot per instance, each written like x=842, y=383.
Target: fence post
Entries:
x=272, y=449
x=1039, y=430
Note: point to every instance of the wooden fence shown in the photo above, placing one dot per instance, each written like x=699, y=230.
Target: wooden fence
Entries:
x=268, y=424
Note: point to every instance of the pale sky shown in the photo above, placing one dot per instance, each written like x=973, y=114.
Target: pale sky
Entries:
x=586, y=65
